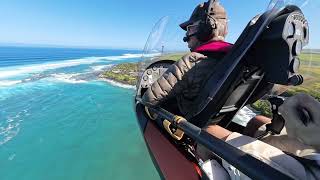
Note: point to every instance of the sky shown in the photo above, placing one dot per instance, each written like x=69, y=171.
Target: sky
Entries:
x=104, y=23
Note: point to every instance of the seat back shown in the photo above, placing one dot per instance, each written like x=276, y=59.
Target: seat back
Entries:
x=245, y=73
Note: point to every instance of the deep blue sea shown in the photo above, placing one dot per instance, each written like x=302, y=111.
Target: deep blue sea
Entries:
x=59, y=121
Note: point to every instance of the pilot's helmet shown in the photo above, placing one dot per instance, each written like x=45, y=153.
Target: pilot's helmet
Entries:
x=217, y=12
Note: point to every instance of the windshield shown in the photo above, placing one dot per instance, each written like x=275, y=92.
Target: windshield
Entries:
x=279, y=4
x=164, y=43
x=158, y=43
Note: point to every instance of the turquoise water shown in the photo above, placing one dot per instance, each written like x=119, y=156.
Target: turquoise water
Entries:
x=58, y=121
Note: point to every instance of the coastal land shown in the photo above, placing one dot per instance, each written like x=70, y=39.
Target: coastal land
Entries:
x=127, y=73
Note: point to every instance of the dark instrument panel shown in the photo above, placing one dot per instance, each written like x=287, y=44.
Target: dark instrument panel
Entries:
x=154, y=72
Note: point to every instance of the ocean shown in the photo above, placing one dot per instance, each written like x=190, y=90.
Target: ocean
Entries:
x=59, y=121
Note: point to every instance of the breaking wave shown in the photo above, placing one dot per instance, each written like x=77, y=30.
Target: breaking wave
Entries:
x=124, y=56
x=13, y=71
x=10, y=126
x=130, y=56
x=69, y=78
x=5, y=83
x=114, y=83
x=73, y=78
x=101, y=67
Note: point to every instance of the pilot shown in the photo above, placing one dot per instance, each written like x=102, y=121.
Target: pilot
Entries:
x=205, y=34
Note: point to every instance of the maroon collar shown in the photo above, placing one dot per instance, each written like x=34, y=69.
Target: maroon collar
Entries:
x=214, y=46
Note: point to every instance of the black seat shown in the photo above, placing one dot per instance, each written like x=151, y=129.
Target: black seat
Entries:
x=261, y=57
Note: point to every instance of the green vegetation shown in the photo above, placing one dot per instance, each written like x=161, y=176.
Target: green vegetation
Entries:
x=263, y=106
x=124, y=73
x=174, y=57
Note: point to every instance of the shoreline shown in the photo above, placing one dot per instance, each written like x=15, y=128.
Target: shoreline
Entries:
x=117, y=83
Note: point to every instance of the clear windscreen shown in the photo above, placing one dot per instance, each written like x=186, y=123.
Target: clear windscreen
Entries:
x=164, y=43
x=279, y=4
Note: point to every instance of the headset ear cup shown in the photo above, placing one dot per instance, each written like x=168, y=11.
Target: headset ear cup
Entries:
x=200, y=31
x=205, y=32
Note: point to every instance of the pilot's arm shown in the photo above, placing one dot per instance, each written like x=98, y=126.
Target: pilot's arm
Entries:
x=173, y=81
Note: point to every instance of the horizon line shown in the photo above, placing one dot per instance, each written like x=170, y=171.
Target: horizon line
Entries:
x=86, y=47
x=2, y=44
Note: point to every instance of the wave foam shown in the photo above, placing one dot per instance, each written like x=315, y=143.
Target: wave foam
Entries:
x=10, y=127
x=69, y=78
x=9, y=83
x=124, y=56
x=101, y=67
x=130, y=56
x=114, y=83
x=14, y=71
x=27, y=69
